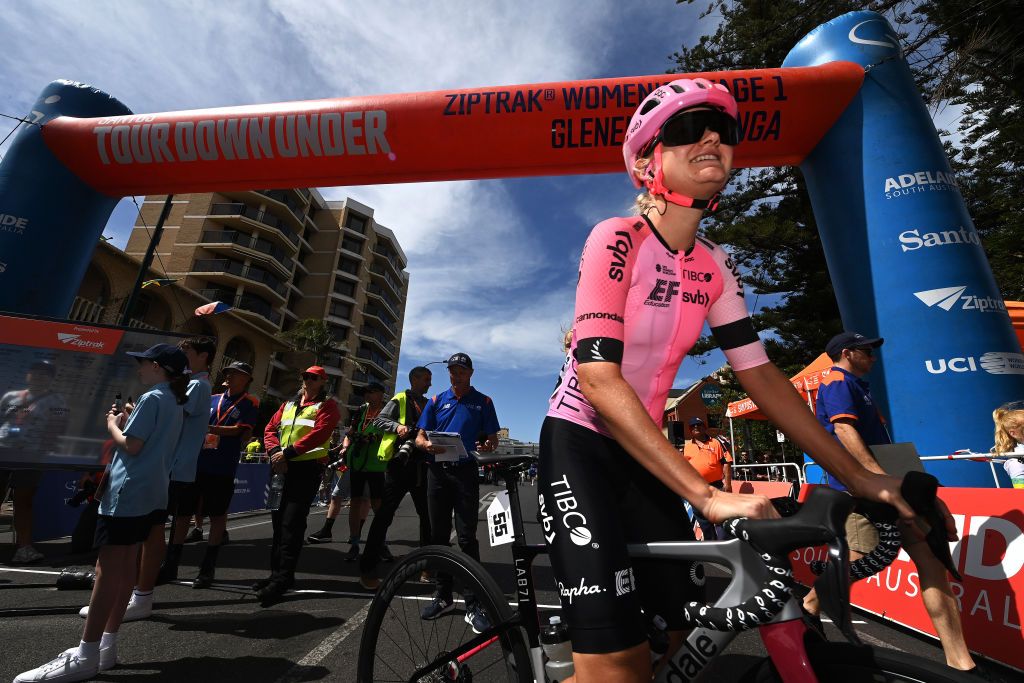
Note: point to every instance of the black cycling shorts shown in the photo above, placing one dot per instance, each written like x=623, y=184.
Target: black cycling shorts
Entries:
x=367, y=484
x=594, y=500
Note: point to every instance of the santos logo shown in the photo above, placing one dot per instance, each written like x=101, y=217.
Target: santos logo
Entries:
x=994, y=363
x=912, y=240
x=76, y=340
x=947, y=297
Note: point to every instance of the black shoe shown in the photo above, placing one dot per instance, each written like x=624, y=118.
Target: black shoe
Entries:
x=352, y=555
x=441, y=604
x=202, y=581
x=257, y=586
x=272, y=594
x=322, y=536
x=385, y=554
x=168, y=573
x=194, y=535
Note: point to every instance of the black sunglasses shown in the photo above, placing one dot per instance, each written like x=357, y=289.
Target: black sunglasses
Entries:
x=310, y=376
x=687, y=128
x=866, y=350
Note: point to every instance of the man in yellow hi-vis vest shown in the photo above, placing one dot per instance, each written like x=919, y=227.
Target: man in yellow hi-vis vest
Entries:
x=296, y=439
x=406, y=473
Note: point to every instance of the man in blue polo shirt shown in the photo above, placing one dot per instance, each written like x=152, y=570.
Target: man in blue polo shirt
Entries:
x=453, y=487
x=845, y=408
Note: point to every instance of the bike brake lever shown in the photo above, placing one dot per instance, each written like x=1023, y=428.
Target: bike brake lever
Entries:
x=919, y=489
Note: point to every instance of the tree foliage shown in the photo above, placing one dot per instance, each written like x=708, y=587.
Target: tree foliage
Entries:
x=962, y=52
x=312, y=335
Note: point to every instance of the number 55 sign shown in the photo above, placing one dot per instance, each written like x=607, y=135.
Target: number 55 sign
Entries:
x=499, y=520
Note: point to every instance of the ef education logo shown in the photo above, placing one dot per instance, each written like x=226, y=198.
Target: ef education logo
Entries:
x=993, y=362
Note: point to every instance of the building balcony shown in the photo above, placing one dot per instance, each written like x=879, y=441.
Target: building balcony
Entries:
x=86, y=311
x=374, y=360
x=263, y=249
x=393, y=262
x=237, y=214
x=375, y=337
x=381, y=274
x=288, y=200
x=381, y=317
x=383, y=297
x=226, y=271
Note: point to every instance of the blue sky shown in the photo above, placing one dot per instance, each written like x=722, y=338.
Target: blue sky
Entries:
x=492, y=263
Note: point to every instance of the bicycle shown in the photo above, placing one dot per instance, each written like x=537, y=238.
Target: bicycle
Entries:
x=759, y=595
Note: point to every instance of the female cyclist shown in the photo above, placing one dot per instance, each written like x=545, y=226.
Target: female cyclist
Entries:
x=608, y=476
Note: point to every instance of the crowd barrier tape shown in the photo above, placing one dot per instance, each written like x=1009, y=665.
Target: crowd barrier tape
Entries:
x=989, y=556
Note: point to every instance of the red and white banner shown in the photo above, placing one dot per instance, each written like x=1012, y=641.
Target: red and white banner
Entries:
x=989, y=556
x=46, y=334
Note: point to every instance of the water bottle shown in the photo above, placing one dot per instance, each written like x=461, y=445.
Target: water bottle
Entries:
x=555, y=641
x=657, y=635
x=276, y=489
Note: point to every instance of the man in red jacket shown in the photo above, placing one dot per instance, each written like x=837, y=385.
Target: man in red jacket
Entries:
x=297, y=439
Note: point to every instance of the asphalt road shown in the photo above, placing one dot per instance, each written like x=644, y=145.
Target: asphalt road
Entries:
x=313, y=634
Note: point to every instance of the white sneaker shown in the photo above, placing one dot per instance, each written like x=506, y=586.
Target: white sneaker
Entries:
x=26, y=554
x=65, y=667
x=137, y=609
x=108, y=656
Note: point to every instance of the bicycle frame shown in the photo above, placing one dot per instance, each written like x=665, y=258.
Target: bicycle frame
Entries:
x=783, y=637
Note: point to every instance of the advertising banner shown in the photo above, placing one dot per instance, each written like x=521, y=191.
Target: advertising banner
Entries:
x=989, y=556
x=58, y=379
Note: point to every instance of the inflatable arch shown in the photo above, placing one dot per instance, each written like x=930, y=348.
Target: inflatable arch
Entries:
x=902, y=252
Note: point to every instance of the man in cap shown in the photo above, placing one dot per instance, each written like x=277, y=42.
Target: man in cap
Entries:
x=233, y=415
x=846, y=410
x=452, y=485
x=31, y=419
x=714, y=464
x=297, y=438
x=406, y=471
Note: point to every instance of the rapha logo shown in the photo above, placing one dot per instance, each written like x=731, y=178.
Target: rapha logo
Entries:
x=577, y=591
x=947, y=297
x=77, y=341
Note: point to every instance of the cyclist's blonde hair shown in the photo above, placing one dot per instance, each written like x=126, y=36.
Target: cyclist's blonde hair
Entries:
x=1007, y=420
x=644, y=201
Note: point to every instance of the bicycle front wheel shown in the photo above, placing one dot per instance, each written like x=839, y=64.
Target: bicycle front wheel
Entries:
x=846, y=663
x=398, y=644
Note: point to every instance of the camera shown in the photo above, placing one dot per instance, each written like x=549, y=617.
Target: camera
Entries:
x=404, y=452
x=87, y=489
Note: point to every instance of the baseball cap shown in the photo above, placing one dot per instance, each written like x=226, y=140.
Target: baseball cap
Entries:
x=43, y=366
x=239, y=366
x=315, y=370
x=461, y=359
x=850, y=340
x=167, y=356
x=695, y=421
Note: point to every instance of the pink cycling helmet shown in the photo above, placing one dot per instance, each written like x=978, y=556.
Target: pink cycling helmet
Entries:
x=661, y=104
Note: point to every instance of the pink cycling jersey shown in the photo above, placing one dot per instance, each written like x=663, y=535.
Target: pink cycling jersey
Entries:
x=643, y=305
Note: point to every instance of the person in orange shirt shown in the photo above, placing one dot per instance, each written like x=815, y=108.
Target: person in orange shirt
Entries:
x=714, y=464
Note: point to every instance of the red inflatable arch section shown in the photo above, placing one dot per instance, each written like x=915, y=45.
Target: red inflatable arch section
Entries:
x=526, y=130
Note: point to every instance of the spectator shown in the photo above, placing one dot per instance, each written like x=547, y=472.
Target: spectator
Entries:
x=1009, y=421
x=713, y=463
x=30, y=421
x=358, y=450
x=297, y=439
x=232, y=416
x=453, y=487
x=253, y=449
x=846, y=409
x=406, y=471
x=133, y=501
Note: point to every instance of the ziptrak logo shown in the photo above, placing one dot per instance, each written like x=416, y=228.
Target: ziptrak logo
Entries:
x=77, y=341
x=948, y=297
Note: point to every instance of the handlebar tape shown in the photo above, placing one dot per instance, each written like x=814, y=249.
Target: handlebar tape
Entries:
x=879, y=558
x=761, y=608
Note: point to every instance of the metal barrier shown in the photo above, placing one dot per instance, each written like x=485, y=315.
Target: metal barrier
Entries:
x=992, y=459
x=784, y=466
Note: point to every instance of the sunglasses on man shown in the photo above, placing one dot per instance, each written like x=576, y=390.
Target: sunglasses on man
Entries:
x=687, y=128
x=866, y=350
x=311, y=377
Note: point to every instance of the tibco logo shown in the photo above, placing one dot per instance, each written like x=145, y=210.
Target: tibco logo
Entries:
x=572, y=519
x=76, y=340
x=993, y=362
x=947, y=297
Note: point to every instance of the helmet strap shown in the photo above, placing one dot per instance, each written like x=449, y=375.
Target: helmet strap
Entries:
x=654, y=179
